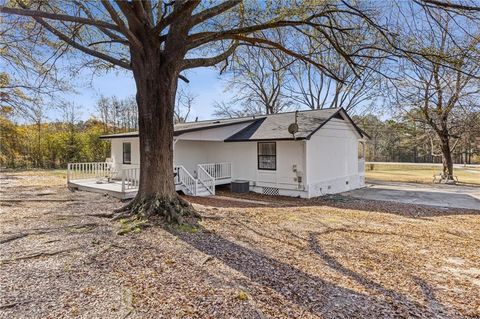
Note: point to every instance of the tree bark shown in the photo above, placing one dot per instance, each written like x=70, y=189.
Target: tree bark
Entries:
x=155, y=98
x=156, y=77
x=446, y=157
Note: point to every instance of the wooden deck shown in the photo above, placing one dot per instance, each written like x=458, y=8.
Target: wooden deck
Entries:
x=114, y=187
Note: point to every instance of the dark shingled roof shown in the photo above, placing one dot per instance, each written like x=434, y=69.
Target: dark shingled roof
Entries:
x=275, y=126
x=267, y=127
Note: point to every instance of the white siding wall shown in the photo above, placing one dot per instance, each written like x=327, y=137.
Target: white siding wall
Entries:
x=190, y=153
x=332, y=159
x=243, y=156
x=117, y=152
x=325, y=163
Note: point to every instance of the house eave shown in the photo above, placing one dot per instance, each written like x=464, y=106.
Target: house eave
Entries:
x=265, y=139
x=112, y=136
x=180, y=132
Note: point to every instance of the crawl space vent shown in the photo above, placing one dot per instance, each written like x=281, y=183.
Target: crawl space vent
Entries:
x=270, y=191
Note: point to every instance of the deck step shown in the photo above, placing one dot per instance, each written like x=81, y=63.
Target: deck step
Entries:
x=202, y=191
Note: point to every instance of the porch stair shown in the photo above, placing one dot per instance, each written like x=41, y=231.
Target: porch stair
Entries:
x=203, y=185
x=202, y=191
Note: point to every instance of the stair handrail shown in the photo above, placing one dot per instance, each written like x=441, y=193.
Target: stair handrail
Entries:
x=187, y=179
x=206, y=179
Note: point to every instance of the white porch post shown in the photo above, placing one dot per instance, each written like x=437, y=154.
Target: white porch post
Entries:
x=361, y=161
x=305, y=166
x=175, y=140
x=123, y=180
x=362, y=142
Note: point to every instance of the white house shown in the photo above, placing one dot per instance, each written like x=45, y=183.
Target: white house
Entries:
x=321, y=157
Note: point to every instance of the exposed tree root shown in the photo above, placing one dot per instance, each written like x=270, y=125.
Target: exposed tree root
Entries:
x=122, y=215
x=13, y=304
x=172, y=210
x=14, y=237
x=16, y=200
x=74, y=226
x=102, y=215
x=39, y=254
x=40, y=231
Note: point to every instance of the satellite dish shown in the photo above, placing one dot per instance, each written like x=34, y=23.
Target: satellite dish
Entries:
x=293, y=128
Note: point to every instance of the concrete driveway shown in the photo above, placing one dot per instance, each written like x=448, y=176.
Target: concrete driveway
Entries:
x=452, y=196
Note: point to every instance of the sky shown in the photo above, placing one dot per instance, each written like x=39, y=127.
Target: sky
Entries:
x=205, y=84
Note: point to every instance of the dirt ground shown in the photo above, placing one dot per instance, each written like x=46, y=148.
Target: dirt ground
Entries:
x=252, y=257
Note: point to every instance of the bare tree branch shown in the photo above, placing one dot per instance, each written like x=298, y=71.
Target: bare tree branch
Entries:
x=449, y=5
x=214, y=11
x=89, y=14
x=55, y=16
x=80, y=47
x=205, y=62
x=178, y=11
x=121, y=25
x=274, y=45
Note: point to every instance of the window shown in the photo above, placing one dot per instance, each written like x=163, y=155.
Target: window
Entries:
x=127, y=153
x=267, y=155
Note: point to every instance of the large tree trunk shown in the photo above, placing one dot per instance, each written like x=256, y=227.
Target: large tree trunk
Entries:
x=156, y=80
x=446, y=157
x=155, y=98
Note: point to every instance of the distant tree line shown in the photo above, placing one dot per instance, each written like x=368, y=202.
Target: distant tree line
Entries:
x=405, y=140
x=117, y=115
x=27, y=142
x=55, y=145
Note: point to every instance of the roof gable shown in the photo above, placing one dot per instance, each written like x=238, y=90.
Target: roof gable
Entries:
x=275, y=126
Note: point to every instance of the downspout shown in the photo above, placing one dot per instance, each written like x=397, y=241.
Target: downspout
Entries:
x=305, y=167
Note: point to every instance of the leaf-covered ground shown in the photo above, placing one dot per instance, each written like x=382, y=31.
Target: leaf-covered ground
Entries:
x=252, y=257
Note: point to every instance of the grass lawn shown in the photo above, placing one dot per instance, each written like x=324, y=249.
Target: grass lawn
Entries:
x=252, y=256
x=418, y=174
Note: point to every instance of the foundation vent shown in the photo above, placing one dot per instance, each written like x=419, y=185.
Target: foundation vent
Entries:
x=270, y=191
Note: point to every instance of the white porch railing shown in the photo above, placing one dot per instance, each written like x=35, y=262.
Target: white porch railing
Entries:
x=218, y=170
x=130, y=178
x=91, y=170
x=206, y=179
x=207, y=174
x=187, y=180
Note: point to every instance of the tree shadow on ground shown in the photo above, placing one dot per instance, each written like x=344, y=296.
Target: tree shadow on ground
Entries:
x=252, y=200
x=314, y=294
x=433, y=309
